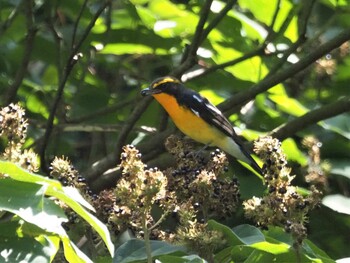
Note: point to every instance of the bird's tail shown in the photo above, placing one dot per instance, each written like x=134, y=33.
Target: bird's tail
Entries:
x=237, y=149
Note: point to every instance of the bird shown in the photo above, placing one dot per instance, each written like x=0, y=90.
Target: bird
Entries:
x=198, y=118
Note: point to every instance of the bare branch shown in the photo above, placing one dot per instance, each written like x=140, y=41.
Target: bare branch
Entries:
x=288, y=129
x=271, y=80
x=75, y=28
x=189, y=56
x=10, y=19
x=101, y=112
x=31, y=32
x=71, y=61
x=217, y=19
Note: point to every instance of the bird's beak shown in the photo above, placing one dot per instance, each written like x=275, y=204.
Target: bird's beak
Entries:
x=150, y=91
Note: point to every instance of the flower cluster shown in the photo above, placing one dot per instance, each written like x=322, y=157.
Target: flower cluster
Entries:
x=137, y=192
x=183, y=197
x=63, y=170
x=13, y=128
x=283, y=205
x=201, y=180
x=317, y=171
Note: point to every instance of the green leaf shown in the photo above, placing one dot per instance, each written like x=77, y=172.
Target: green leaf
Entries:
x=178, y=259
x=72, y=253
x=340, y=167
x=230, y=236
x=248, y=234
x=314, y=251
x=25, y=249
x=272, y=248
x=291, y=149
x=339, y=124
x=289, y=105
x=98, y=226
x=54, y=188
x=74, y=194
x=134, y=250
x=19, y=174
x=27, y=201
x=338, y=203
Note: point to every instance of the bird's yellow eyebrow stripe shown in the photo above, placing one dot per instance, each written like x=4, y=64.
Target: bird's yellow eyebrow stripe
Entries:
x=164, y=80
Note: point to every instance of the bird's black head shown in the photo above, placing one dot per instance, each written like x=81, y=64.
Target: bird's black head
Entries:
x=162, y=85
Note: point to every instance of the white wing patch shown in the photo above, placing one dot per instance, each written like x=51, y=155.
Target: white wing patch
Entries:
x=209, y=105
x=195, y=112
x=199, y=99
x=213, y=108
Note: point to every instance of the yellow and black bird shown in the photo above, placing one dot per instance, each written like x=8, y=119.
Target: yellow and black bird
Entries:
x=199, y=119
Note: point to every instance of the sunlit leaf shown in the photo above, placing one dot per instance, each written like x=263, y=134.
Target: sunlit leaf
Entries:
x=338, y=203
x=292, y=151
x=340, y=167
x=135, y=250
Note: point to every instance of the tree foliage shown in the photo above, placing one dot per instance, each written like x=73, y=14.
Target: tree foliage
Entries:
x=275, y=67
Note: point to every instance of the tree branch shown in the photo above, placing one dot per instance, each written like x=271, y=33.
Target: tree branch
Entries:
x=288, y=129
x=243, y=97
x=28, y=48
x=217, y=19
x=71, y=61
x=189, y=56
x=75, y=28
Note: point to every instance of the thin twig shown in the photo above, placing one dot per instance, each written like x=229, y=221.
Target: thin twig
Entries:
x=129, y=124
x=28, y=48
x=290, y=128
x=9, y=20
x=101, y=112
x=257, y=52
x=301, y=39
x=275, y=14
x=71, y=61
x=243, y=97
x=76, y=24
x=217, y=19
x=189, y=56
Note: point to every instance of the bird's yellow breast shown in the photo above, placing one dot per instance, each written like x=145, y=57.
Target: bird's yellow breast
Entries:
x=189, y=123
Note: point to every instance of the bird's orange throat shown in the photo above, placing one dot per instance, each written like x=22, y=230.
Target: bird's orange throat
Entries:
x=188, y=122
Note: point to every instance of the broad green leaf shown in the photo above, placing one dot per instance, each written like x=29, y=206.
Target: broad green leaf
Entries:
x=179, y=259
x=340, y=167
x=27, y=201
x=248, y=234
x=289, y=105
x=271, y=247
x=230, y=236
x=250, y=28
x=212, y=96
x=339, y=124
x=52, y=244
x=98, y=226
x=125, y=48
x=343, y=260
x=277, y=234
x=224, y=255
x=314, y=251
x=72, y=253
x=134, y=250
x=74, y=194
x=293, y=153
x=19, y=174
x=338, y=203
x=54, y=188
x=265, y=10
x=25, y=249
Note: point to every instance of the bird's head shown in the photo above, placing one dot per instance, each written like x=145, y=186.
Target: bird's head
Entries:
x=161, y=85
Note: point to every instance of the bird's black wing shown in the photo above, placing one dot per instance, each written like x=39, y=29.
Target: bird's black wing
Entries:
x=213, y=116
x=207, y=111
